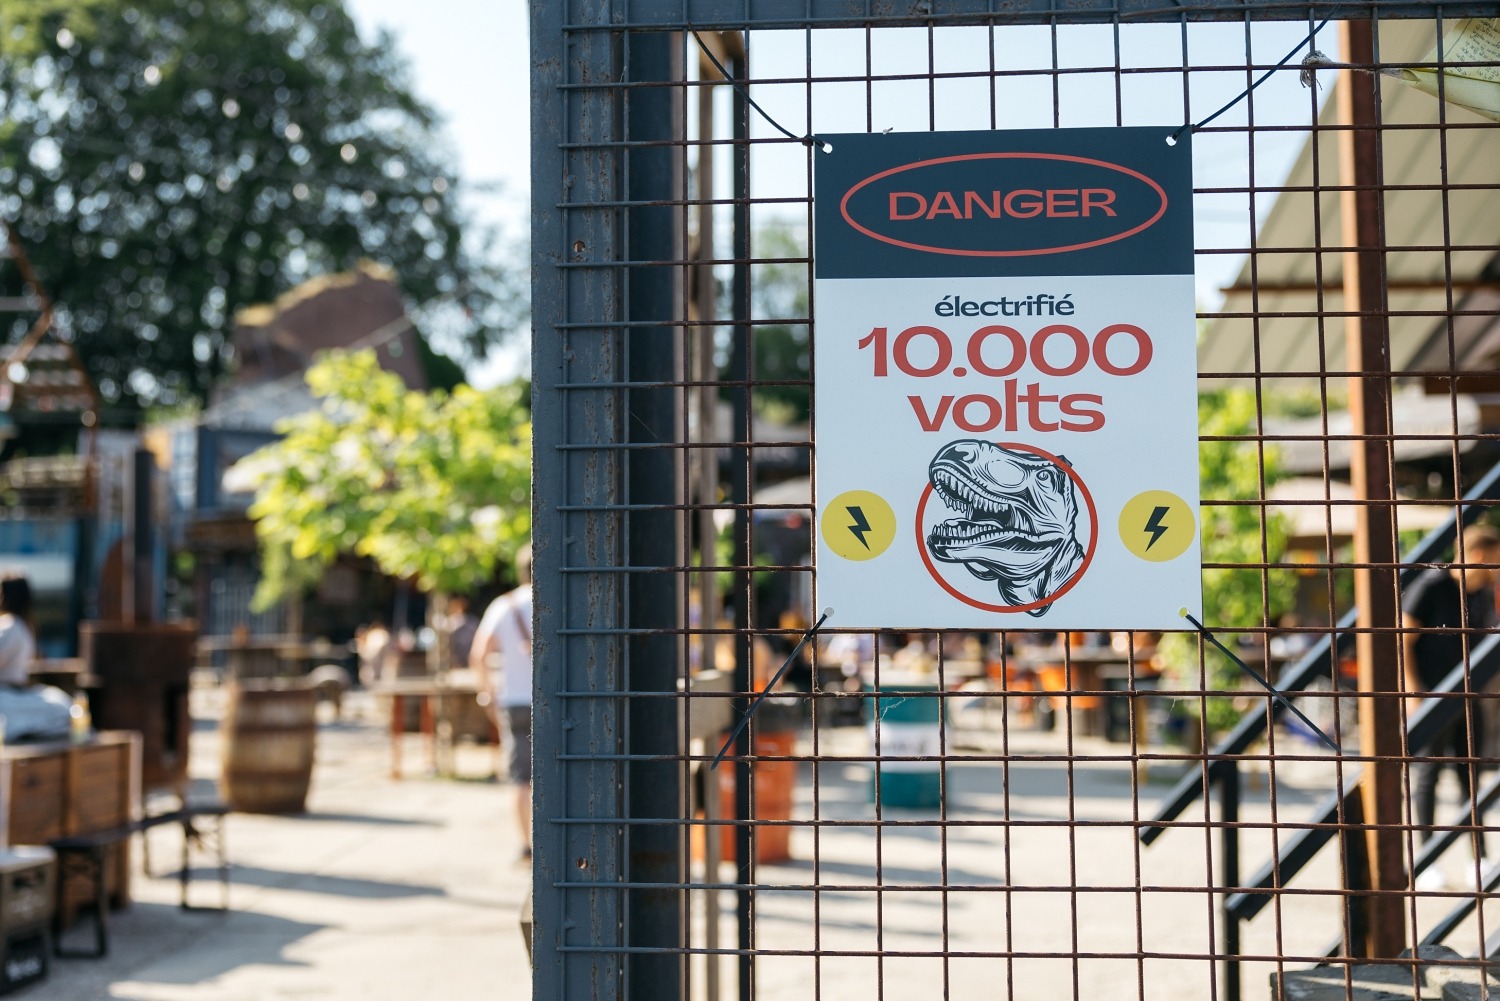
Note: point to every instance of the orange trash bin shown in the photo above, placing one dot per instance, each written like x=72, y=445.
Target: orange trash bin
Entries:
x=775, y=782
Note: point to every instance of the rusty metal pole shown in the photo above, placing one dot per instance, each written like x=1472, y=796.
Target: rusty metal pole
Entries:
x=1367, y=346
x=724, y=45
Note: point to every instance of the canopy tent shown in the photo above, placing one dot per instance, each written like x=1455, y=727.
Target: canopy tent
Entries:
x=1319, y=513
x=1441, y=219
x=1423, y=427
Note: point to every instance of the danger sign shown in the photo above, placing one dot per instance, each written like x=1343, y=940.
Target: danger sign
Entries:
x=1006, y=380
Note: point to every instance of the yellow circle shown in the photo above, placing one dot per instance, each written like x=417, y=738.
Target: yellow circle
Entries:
x=858, y=525
x=1157, y=526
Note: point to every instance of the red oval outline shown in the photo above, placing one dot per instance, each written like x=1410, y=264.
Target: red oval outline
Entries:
x=844, y=205
x=1088, y=556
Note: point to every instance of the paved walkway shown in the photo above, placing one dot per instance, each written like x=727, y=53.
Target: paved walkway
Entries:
x=383, y=890
x=409, y=890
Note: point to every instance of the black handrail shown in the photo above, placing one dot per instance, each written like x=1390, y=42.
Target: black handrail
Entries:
x=1429, y=853
x=1424, y=724
x=1440, y=931
x=1295, y=853
x=1444, y=839
x=1314, y=664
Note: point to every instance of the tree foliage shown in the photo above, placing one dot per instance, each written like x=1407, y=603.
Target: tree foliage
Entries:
x=1239, y=596
x=167, y=162
x=433, y=487
x=780, y=349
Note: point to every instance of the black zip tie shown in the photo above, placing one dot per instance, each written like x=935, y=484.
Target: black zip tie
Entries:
x=1172, y=139
x=745, y=720
x=1275, y=693
x=807, y=140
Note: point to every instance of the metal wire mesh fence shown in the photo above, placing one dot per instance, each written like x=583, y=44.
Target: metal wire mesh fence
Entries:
x=1243, y=807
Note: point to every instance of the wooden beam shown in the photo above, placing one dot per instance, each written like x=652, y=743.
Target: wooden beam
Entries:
x=726, y=46
x=1367, y=347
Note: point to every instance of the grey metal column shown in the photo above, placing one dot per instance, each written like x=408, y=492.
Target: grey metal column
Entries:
x=655, y=788
x=577, y=533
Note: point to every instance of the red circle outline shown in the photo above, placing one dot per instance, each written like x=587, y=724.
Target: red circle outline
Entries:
x=1037, y=252
x=1088, y=555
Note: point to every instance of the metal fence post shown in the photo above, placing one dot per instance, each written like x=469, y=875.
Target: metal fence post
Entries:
x=1229, y=837
x=740, y=477
x=654, y=786
x=577, y=531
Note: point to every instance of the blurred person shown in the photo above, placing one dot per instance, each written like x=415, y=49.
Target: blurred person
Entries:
x=376, y=651
x=1435, y=605
x=853, y=653
x=502, y=647
x=1291, y=642
x=799, y=675
x=462, y=627
x=27, y=711
x=17, y=641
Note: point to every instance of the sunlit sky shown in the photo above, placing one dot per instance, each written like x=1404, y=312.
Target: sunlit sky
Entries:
x=469, y=60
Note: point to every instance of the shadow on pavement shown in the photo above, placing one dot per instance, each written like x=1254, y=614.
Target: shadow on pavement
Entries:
x=796, y=912
x=890, y=877
x=257, y=939
x=320, y=816
x=368, y=889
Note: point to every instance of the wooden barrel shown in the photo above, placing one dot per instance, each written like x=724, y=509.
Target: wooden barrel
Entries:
x=269, y=734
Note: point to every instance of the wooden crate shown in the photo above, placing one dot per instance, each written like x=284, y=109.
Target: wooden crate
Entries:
x=56, y=789
x=36, y=789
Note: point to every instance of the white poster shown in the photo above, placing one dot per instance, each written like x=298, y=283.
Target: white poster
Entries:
x=1005, y=377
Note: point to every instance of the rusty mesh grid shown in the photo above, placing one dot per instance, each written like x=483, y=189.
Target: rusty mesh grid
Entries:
x=1086, y=815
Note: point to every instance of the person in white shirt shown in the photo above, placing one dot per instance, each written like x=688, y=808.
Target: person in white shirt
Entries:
x=377, y=652
x=502, y=652
x=17, y=643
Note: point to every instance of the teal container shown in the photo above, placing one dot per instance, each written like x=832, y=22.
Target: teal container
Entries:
x=909, y=728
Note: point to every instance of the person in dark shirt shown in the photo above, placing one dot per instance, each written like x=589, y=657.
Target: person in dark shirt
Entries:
x=462, y=627
x=1435, y=606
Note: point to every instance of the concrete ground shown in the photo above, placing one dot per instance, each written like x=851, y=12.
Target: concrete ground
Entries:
x=382, y=890
x=410, y=889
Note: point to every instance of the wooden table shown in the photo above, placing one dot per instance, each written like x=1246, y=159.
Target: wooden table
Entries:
x=437, y=701
x=268, y=656
x=71, y=674
x=1083, y=670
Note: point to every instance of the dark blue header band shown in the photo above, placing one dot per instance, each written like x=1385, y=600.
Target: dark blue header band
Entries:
x=1030, y=202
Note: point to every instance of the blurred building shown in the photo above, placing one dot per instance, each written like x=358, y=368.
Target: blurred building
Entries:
x=62, y=487
x=273, y=345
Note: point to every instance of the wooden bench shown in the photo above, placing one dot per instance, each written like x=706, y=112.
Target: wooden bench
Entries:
x=83, y=857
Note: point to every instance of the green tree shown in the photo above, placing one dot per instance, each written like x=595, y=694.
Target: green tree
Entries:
x=433, y=487
x=167, y=162
x=1237, y=595
x=780, y=350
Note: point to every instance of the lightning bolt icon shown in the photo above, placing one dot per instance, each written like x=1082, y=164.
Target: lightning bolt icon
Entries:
x=859, y=526
x=1154, y=525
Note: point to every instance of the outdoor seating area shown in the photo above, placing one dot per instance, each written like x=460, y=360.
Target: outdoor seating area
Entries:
x=371, y=887
x=1103, y=684
x=850, y=500
x=85, y=811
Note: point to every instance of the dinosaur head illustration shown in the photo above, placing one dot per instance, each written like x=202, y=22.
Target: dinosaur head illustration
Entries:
x=1019, y=514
